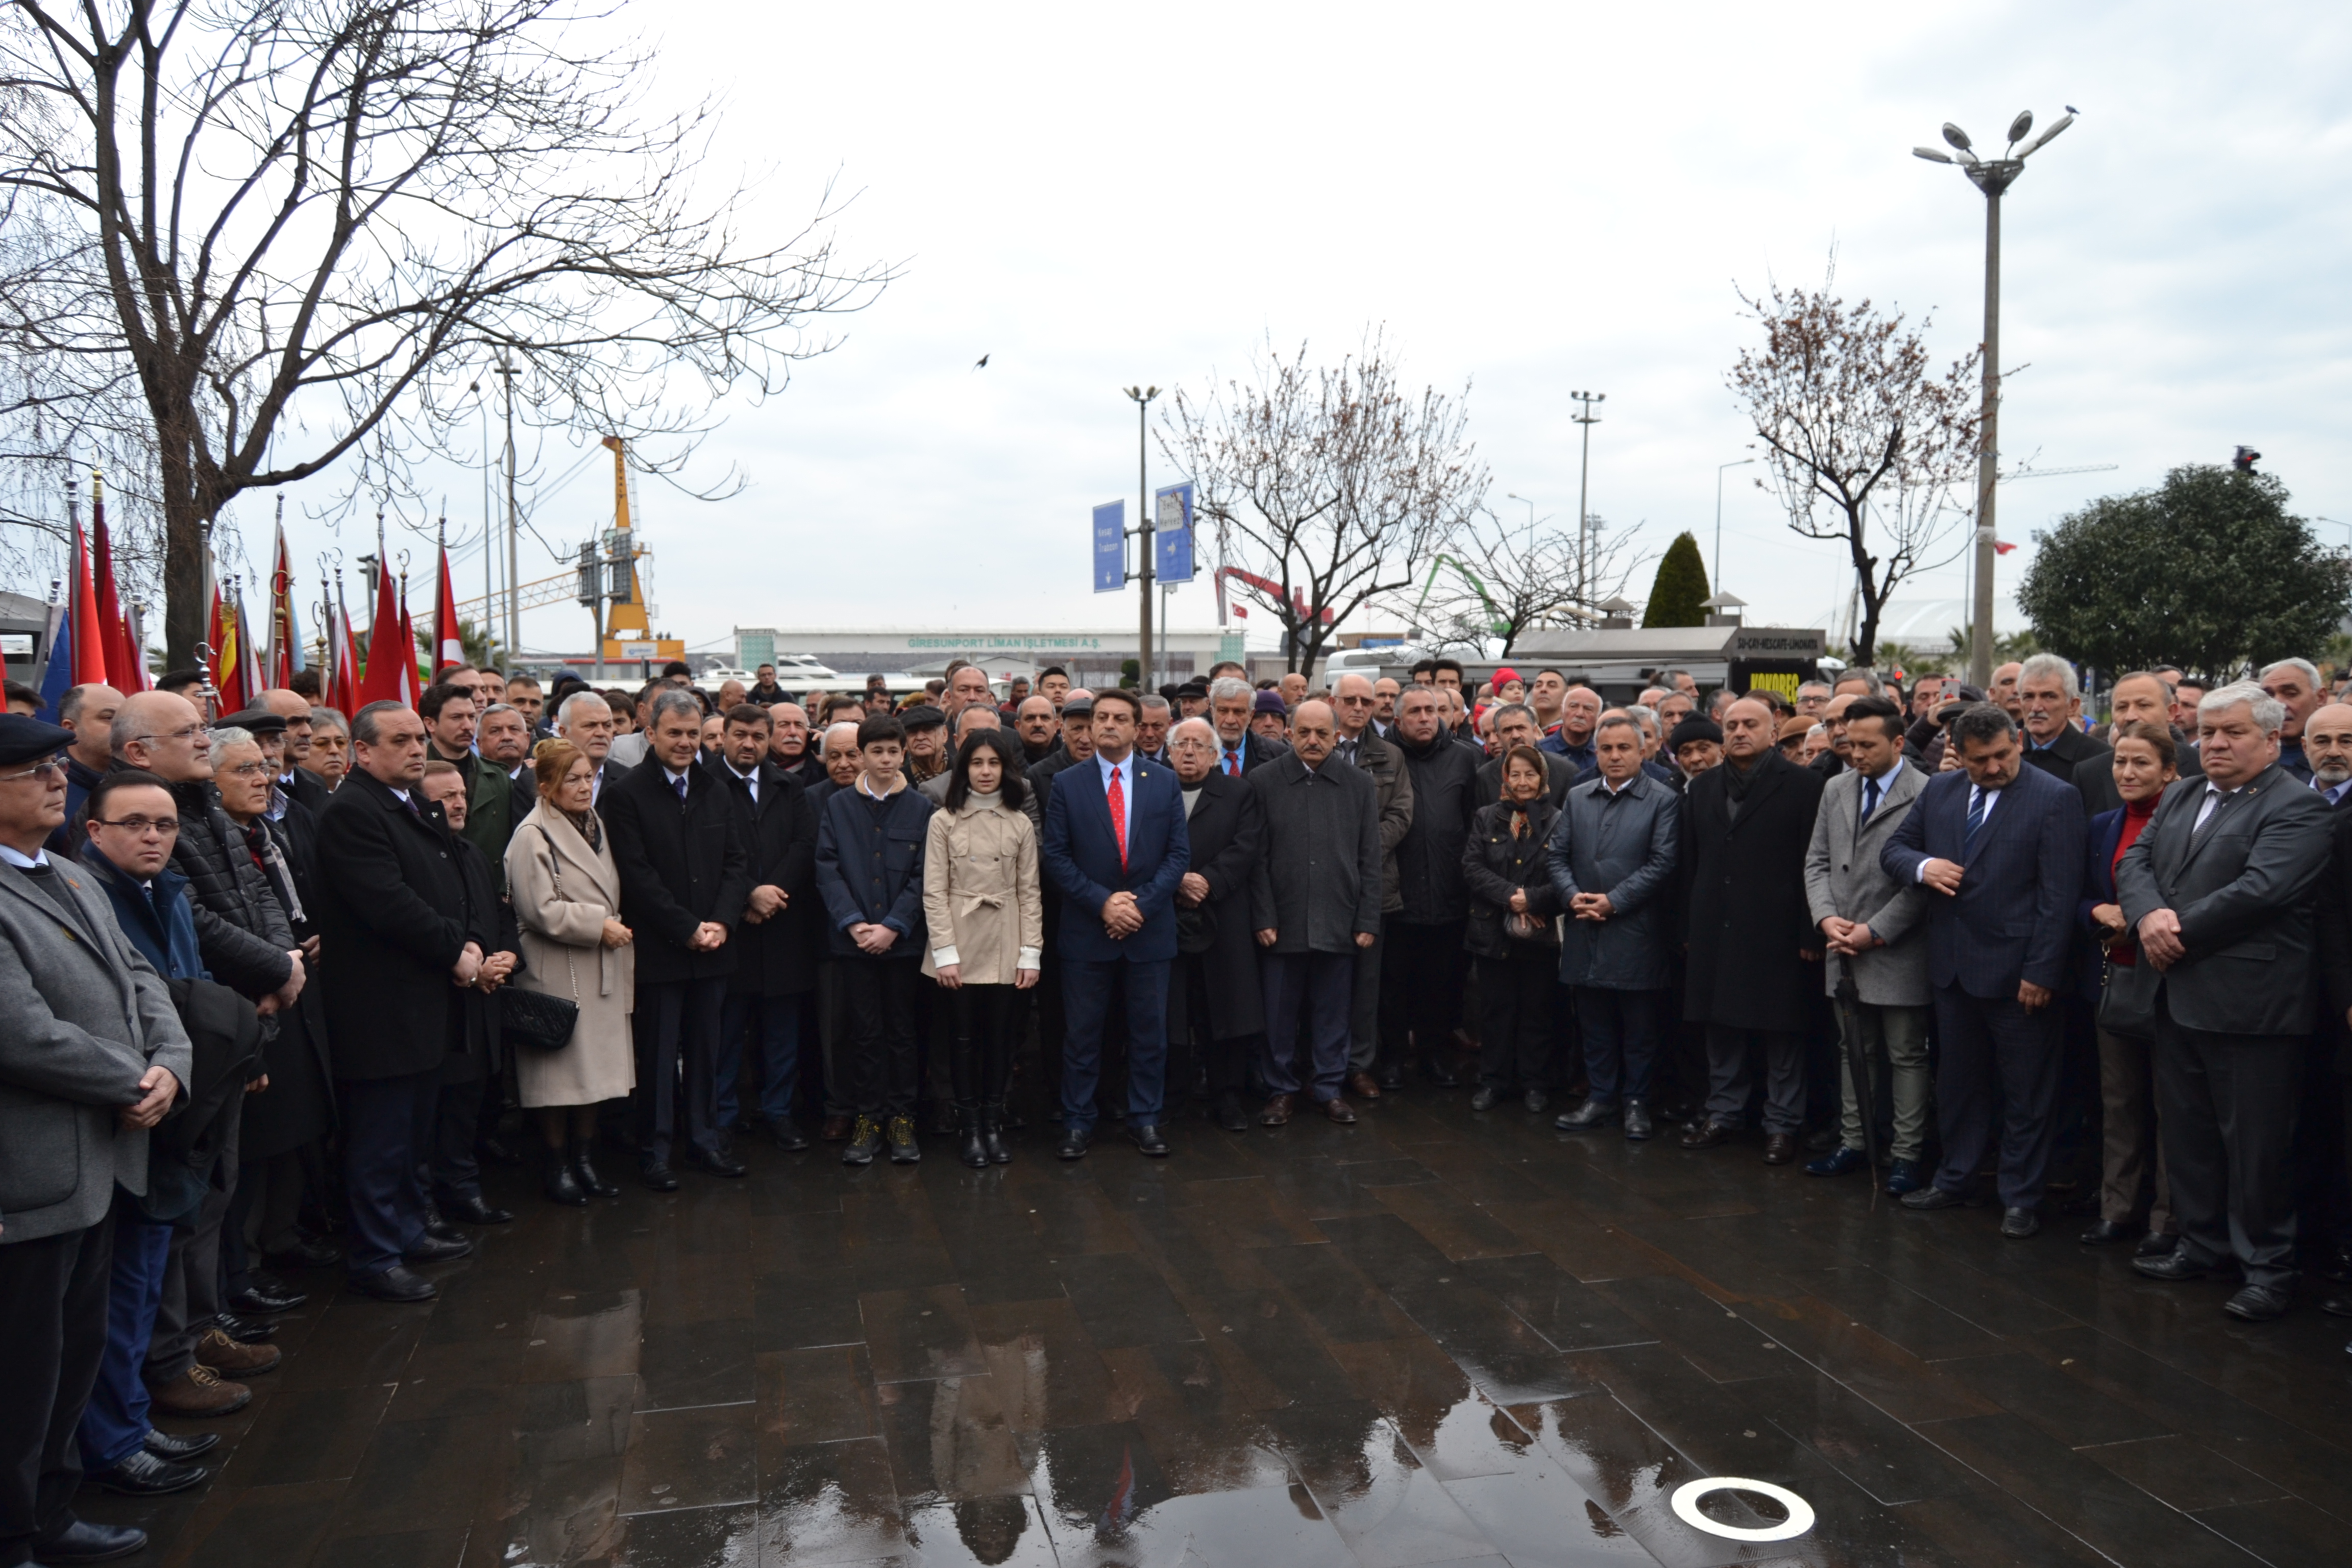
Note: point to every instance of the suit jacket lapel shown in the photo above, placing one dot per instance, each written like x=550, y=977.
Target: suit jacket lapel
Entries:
x=77, y=926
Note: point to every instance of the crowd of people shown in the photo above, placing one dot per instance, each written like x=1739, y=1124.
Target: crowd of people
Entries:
x=281, y=983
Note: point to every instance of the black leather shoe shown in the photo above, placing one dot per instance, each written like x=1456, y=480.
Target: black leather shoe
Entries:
x=2336, y=1266
x=1389, y=1077
x=307, y=1254
x=583, y=1173
x=2172, y=1267
x=1435, y=1068
x=498, y=1151
x=244, y=1331
x=1535, y=1101
x=2156, y=1245
x=1709, y=1134
x=786, y=1134
x=473, y=1211
x=431, y=1249
x=1072, y=1145
x=263, y=1303
x=2260, y=1303
x=657, y=1176
x=1931, y=1198
x=715, y=1162
x=1485, y=1097
x=1232, y=1115
x=2020, y=1224
x=439, y=1229
x=1638, y=1127
x=180, y=1448
x=1592, y=1113
x=2105, y=1232
x=85, y=1540
x=1147, y=1136
x=2337, y=1306
x=394, y=1284
x=139, y=1474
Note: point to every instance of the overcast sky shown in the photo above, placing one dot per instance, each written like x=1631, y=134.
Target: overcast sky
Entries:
x=1531, y=198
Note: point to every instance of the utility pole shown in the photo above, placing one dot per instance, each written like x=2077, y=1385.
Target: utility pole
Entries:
x=1143, y=396
x=1716, y=586
x=1583, y=490
x=489, y=534
x=505, y=372
x=1993, y=176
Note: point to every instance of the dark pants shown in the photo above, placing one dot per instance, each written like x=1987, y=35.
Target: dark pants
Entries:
x=1364, y=1000
x=262, y=1213
x=677, y=1026
x=114, y=1425
x=980, y=1058
x=53, y=1318
x=387, y=1127
x=773, y=1023
x=191, y=1275
x=1621, y=1041
x=457, y=1169
x=2225, y=1108
x=1994, y=1052
x=832, y=1038
x=1088, y=988
x=1323, y=984
x=1420, y=992
x=1194, y=1047
x=879, y=995
x=1730, y=1075
x=1516, y=999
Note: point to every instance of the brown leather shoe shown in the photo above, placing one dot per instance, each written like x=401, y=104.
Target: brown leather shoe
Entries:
x=836, y=1129
x=1361, y=1085
x=1707, y=1134
x=199, y=1391
x=1779, y=1148
x=1337, y=1110
x=1277, y=1110
x=221, y=1353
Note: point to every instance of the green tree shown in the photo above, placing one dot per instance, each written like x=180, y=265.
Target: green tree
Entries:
x=2209, y=570
x=1679, y=593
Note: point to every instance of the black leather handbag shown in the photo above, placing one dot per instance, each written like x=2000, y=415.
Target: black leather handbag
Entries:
x=539, y=1019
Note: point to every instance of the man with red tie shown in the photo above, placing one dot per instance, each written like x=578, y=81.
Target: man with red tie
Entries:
x=1116, y=846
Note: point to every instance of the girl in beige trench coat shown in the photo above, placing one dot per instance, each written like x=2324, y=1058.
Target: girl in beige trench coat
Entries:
x=985, y=923
x=567, y=896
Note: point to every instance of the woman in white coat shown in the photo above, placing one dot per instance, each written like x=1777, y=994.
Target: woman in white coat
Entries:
x=567, y=896
x=985, y=923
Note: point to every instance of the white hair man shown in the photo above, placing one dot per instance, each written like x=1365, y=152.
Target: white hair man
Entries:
x=2050, y=701
x=585, y=720
x=2227, y=965
x=2296, y=686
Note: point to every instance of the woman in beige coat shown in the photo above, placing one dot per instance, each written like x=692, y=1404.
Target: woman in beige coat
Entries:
x=984, y=924
x=566, y=894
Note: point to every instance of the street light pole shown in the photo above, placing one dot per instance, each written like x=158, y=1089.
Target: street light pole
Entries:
x=1719, y=470
x=1583, y=490
x=1143, y=396
x=505, y=372
x=1991, y=176
x=1524, y=501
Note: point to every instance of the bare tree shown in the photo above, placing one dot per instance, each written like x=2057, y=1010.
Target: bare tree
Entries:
x=1499, y=581
x=1862, y=441
x=286, y=232
x=1332, y=482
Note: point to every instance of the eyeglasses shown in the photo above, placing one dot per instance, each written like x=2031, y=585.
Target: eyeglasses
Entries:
x=252, y=770
x=189, y=733
x=37, y=770
x=139, y=828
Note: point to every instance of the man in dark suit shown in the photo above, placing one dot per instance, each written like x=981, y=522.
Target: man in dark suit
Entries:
x=301, y=785
x=776, y=966
x=2050, y=697
x=1239, y=748
x=393, y=909
x=2002, y=843
x=1116, y=846
x=685, y=884
x=2142, y=697
x=2219, y=889
x=1212, y=994
x=1420, y=992
x=1315, y=902
x=1747, y=929
x=2327, y=745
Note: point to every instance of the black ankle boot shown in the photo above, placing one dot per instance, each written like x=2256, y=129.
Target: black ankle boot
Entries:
x=562, y=1185
x=590, y=1182
x=970, y=1147
x=991, y=1133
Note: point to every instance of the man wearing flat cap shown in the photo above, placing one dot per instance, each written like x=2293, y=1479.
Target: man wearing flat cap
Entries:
x=93, y=1056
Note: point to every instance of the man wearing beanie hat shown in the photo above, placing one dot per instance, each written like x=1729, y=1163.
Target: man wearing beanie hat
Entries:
x=1697, y=745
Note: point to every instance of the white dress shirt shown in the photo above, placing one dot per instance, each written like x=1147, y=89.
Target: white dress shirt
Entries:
x=1126, y=773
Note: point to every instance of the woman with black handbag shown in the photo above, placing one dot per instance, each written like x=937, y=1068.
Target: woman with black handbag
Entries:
x=567, y=892
x=1512, y=935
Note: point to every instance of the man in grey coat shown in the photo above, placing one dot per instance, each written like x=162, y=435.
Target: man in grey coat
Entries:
x=1613, y=866
x=2220, y=888
x=92, y=1057
x=1871, y=923
x=1315, y=901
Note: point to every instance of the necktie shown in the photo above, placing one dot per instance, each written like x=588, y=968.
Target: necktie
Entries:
x=1976, y=820
x=679, y=783
x=1232, y=764
x=1869, y=799
x=1117, y=800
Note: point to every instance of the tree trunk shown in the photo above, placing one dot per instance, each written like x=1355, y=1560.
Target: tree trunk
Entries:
x=184, y=561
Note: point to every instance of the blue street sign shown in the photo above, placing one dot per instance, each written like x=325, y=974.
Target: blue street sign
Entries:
x=1110, y=547
x=1172, y=536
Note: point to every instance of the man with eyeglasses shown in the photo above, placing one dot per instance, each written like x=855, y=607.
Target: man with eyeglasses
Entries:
x=94, y=1056
x=298, y=781
x=249, y=947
